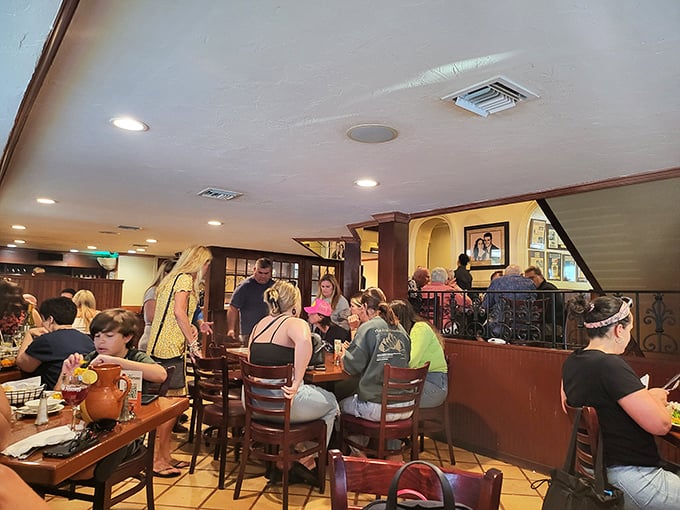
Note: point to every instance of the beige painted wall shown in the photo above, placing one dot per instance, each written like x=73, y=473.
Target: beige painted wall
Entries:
x=425, y=234
x=137, y=272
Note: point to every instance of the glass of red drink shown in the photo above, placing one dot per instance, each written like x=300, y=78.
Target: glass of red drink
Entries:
x=73, y=391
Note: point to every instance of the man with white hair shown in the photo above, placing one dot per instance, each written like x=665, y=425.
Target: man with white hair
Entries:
x=514, y=285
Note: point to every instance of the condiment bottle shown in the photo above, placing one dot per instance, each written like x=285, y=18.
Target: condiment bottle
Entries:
x=41, y=418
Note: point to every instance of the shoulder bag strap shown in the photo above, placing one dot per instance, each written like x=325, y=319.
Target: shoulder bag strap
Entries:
x=165, y=313
x=600, y=470
x=569, y=461
x=449, y=500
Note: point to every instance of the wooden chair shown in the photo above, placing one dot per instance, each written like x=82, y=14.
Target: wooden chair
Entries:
x=269, y=434
x=215, y=408
x=139, y=467
x=402, y=389
x=431, y=418
x=373, y=477
x=587, y=439
x=212, y=351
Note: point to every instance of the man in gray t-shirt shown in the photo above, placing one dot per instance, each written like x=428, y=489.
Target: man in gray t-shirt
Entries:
x=247, y=302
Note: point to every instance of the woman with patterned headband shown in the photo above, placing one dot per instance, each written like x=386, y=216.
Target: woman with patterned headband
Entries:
x=630, y=415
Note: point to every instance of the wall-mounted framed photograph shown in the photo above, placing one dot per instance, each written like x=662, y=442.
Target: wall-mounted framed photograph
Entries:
x=537, y=234
x=537, y=259
x=580, y=277
x=553, y=266
x=488, y=246
x=551, y=237
x=569, y=268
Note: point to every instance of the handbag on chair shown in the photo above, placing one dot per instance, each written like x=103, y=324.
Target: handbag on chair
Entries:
x=569, y=490
x=391, y=502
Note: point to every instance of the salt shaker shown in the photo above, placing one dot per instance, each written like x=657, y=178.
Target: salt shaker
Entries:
x=41, y=417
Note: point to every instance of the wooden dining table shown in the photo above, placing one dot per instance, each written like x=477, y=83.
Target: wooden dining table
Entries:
x=39, y=470
x=330, y=373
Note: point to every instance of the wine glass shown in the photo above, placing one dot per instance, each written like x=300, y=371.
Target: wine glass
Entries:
x=73, y=391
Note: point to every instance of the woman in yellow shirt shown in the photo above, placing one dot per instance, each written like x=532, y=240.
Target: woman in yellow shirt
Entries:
x=425, y=346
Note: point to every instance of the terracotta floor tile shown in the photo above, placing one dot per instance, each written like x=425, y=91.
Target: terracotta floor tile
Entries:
x=510, y=502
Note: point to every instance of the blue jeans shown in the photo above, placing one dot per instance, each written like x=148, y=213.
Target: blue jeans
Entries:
x=435, y=390
x=651, y=488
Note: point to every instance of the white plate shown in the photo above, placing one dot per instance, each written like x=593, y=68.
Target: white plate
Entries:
x=27, y=411
x=33, y=404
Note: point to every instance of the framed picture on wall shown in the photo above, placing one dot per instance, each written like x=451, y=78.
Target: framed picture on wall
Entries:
x=537, y=234
x=553, y=266
x=551, y=237
x=488, y=246
x=580, y=277
x=537, y=259
x=568, y=268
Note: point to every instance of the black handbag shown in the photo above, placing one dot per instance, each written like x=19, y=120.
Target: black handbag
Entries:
x=318, y=351
x=571, y=491
x=391, y=503
x=178, y=380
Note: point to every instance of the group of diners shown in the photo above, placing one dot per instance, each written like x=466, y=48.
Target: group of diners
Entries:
x=388, y=333
x=439, y=297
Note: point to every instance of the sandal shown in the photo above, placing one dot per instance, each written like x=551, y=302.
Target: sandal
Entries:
x=179, y=464
x=168, y=472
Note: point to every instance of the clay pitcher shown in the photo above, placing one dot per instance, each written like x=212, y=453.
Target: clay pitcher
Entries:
x=104, y=397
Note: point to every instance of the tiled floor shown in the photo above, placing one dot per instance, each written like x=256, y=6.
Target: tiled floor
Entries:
x=199, y=491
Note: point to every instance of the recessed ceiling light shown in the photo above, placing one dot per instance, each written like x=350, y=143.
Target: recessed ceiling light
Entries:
x=18, y=227
x=129, y=124
x=215, y=223
x=48, y=201
x=91, y=247
x=11, y=245
x=132, y=251
x=151, y=241
x=73, y=250
x=140, y=249
x=19, y=241
x=372, y=133
x=366, y=183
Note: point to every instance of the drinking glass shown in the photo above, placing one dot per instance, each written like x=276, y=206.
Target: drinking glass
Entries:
x=73, y=391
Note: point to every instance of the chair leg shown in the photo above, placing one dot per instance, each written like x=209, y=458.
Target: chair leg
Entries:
x=242, y=466
x=222, y=444
x=449, y=440
x=197, y=444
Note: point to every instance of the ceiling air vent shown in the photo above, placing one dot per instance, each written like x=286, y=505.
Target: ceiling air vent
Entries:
x=129, y=227
x=219, y=194
x=491, y=96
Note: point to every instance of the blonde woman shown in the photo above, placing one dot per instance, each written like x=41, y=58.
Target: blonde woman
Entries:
x=289, y=340
x=87, y=309
x=331, y=293
x=149, y=302
x=171, y=333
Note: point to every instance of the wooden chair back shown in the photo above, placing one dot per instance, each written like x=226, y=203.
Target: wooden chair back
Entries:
x=349, y=475
x=269, y=434
x=587, y=438
x=402, y=389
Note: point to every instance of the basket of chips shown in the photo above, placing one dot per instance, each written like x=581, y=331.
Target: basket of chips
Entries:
x=18, y=395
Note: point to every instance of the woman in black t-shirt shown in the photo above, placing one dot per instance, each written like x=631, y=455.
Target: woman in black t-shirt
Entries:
x=630, y=415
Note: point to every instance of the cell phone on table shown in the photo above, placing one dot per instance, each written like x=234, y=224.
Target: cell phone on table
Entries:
x=316, y=367
x=147, y=398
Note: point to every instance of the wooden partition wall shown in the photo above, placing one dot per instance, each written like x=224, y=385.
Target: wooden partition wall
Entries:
x=506, y=400
x=108, y=293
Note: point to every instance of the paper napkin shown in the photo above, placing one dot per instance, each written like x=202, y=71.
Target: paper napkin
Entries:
x=44, y=438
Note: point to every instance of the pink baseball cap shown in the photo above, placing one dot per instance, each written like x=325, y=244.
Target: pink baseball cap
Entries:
x=320, y=307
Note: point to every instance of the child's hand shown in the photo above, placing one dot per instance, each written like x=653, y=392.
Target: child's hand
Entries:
x=104, y=358
x=71, y=363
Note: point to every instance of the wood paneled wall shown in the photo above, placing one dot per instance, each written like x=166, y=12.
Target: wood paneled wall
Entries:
x=108, y=293
x=506, y=400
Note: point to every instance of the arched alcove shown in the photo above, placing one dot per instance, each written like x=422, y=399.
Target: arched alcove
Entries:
x=433, y=244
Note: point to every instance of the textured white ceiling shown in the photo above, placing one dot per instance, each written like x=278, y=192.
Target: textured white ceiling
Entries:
x=256, y=97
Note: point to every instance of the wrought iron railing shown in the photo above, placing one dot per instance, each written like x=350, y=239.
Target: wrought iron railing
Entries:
x=540, y=318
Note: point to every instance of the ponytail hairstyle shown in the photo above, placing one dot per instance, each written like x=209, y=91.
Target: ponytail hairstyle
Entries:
x=281, y=297
x=601, y=314
x=375, y=299
x=408, y=317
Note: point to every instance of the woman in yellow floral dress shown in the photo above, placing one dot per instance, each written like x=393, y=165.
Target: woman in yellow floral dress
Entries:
x=171, y=333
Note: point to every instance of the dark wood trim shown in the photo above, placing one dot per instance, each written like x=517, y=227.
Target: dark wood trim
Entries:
x=580, y=261
x=52, y=44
